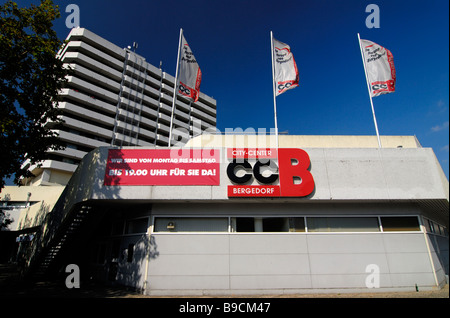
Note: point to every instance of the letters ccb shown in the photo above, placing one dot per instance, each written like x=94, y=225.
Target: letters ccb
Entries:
x=293, y=165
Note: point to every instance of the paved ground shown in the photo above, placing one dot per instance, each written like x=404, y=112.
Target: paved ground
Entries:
x=12, y=285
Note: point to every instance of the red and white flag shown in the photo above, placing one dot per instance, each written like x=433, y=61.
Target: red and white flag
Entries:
x=190, y=75
x=380, y=68
x=286, y=73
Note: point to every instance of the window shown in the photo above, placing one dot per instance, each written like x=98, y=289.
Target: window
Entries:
x=115, y=250
x=98, y=253
x=191, y=224
x=117, y=227
x=296, y=224
x=130, y=252
x=391, y=223
x=275, y=224
x=136, y=226
x=283, y=224
x=245, y=225
x=342, y=224
x=133, y=226
x=260, y=224
x=435, y=228
x=429, y=226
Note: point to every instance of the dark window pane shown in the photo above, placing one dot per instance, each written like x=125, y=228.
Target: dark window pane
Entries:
x=400, y=223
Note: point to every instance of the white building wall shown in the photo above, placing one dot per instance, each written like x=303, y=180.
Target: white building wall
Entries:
x=287, y=263
x=349, y=182
x=258, y=263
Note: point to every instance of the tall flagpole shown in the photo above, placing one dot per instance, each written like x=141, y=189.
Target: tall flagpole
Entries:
x=274, y=99
x=370, y=92
x=274, y=91
x=175, y=89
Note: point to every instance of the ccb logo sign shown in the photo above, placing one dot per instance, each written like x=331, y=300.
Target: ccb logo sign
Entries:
x=289, y=177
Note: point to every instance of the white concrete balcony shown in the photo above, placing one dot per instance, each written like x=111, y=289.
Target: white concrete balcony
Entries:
x=100, y=56
x=129, y=140
x=166, y=109
x=128, y=127
x=88, y=114
x=73, y=138
x=168, y=99
x=149, y=92
x=69, y=153
x=205, y=108
x=142, y=77
x=100, y=68
x=79, y=84
x=163, y=139
x=201, y=125
x=122, y=138
x=144, y=143
x=163, y=118
x=59, y=165
x=135, y=59
x=85, y=127
x=95, y=78
x=145, y=110
x=143, y=132
x=182, y=116
x=135, y=130
x=78, y=97
x=151, y=102
x=100, y=43
x=162, y=128
x=144, y=123
x=196, y=113
x=179, y=123
x=134, y=84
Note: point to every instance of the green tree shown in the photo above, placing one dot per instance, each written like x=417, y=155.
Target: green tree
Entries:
x=5, y=221
x=31, y=76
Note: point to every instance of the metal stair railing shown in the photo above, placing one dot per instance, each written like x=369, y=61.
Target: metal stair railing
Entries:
x=51, y=254
x=55, y=233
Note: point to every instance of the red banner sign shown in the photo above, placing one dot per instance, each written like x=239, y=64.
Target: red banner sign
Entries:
x=163, y=167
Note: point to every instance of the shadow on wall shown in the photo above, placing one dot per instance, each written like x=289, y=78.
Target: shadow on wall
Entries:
x=35, y=219
x=133, y=265
x=440, y=246
x=87, y=179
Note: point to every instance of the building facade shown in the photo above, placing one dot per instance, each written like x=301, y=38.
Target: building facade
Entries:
x=114, y=97
x=245, y=218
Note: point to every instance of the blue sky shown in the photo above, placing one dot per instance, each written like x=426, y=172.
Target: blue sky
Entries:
x=231, y=42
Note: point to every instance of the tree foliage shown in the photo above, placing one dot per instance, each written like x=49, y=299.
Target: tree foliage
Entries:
x=5, y=221
x=30, y=78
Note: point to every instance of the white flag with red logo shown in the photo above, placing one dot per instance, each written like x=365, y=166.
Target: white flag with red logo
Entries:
x=380, y=68
x=286, y=72
x=190, y=75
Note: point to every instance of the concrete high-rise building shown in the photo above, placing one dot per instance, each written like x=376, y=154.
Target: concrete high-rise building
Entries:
x=113, y=97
